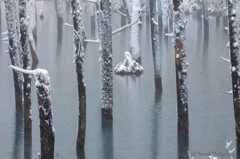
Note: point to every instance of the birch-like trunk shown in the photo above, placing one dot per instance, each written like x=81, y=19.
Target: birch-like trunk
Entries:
x=155, y=46
x=26, y=65
x=127, y=6
x=235, y=60
x=13, y=36
x=106, y=59
x=58, y=7
x=79, y=59
x=135, y=46
x=181, y=66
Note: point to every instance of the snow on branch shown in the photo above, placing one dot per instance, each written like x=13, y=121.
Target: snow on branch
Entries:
x=121, y=13
x=229, y=92
x=31, y=72
x=227, y=60
x=92, y=41
x=169, y=34
x=122, y=28
x=226, y=28
x=5, y=33
x=92, y=1
x=70, y=25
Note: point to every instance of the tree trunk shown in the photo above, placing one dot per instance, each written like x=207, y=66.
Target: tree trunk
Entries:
x=79, y=59
x=58, y=7
x=135, y=46
x=26, y=65
x=12, y=26
x=127, y=7
x=204, y=9
x=33, y=19
x=235, y=60
x=155, y=46
x=165, y=10
x=181, y=67
x=106, y=56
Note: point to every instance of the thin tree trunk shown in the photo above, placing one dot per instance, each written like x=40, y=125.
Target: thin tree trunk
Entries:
x=155, y=46
x=135, y=46
x=33, y=19
x=58, y=7
x=165, y=15
x=26, y=65
x=181, y=67
x=13, y=36
x=79, y=59
x=127, y=7
x=235, y=60
x=106, y=55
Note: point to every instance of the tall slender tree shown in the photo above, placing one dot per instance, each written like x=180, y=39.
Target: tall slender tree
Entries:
x=155, y=45
x=235, y=60
x=79, y=59
x=13, y=46
x=181, y=66
x=106, y=56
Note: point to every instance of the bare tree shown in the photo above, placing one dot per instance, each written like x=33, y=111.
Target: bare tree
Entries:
x=43, y=89
x=13, y=46
x=79, y=59
x=155, y=45
x=235, y=60
x=181, y=66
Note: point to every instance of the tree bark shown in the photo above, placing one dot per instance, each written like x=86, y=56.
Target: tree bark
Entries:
x=79, y=59
x=106, y=56
x=13, y=36
x=135, y=46
x=181, y=67
x=155, y=46
x=235, y=61
x=26, y=65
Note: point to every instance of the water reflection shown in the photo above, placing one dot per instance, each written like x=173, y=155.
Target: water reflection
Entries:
x=156, y=121
x=18, y=135
x=107, y=140
x=28, y=147
x=183, y=146
x=81, y=154
x=205, y=36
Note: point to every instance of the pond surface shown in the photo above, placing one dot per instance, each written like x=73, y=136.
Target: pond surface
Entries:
x=145, y=122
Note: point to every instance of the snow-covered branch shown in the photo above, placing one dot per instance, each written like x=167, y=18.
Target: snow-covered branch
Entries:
x=92, y=41
x=122, y=28
x=227, y=60
x=227, y=92
x=92, y=1
x=169, y=34
x=121, y=13
x=66, y=24
x=31, y=72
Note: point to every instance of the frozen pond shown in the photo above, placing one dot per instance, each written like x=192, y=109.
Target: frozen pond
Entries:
x=145, y=123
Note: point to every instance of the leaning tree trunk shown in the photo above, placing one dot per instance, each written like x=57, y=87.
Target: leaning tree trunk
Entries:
x=155, y=46
x=79, y=59
x=181, y=66
x=26, y=65
x=43, y=89
x=106, y=56
x=13, y=36
x=135, y=46
x=235, y=60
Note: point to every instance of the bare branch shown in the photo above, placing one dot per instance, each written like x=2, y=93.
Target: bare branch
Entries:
x=122, y=28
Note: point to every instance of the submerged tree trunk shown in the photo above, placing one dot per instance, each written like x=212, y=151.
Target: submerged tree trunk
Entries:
x=155, y=46
x=235, y=60
x=181, y=66
x=79, y=59
x=13, y=36
x=106, y=56
x=43, y=89
x=135, y=46
x=26, y=65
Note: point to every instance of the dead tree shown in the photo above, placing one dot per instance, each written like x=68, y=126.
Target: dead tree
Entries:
x=155, y=45
x=79, y=59
x=235, y=60
x=13, y=44
x=43, y=89
x=26, y=65
x=106, y=59
x=181, y=66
